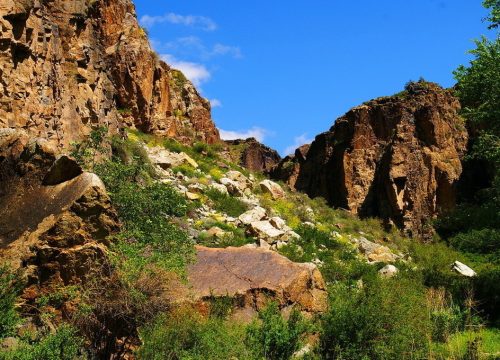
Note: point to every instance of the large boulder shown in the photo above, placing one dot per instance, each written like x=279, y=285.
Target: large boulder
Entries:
x=398, y=158
x=53, y=232
x=256, y=276
x=272, y=188
x=167, y=159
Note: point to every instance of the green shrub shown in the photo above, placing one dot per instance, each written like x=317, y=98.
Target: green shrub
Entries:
x=145, y=207
x=185, y=335
x=173, y=145
x=64, y=344
x=185, y=169
x=384, y=319
x=226, y=203
x=273, y=337
x=483, y=241
x=9, y=290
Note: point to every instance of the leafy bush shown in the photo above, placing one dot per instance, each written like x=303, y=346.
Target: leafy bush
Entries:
x=9, y=289
x=115, y=304
x=185, y=335
x=226, y=203
x=185, y=169
x=87, y=152
x=384, y=319
x=273, y=337
x=483, y=241
x=173, y=145
x=64, y=344
x=144, y=207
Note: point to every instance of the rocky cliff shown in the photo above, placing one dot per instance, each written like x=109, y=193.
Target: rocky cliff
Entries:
x=253, y=155
x=397, y=158
x=66, y=66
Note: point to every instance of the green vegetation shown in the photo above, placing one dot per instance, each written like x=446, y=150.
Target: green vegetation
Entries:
x=272, y=337
x=64, y=344
x=226, y=203
x=183, y=334
x=473, y=228
x=383, y=319
x=144, y=207
x=9, y=288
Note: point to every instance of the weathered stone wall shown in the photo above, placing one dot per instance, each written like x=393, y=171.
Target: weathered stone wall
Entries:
x=68, y=65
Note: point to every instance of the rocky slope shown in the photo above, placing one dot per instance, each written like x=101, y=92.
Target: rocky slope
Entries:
x=66, y=66
x=397, y=158
x=252, y=155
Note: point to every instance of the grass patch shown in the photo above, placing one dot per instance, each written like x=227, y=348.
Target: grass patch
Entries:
x=226, y=203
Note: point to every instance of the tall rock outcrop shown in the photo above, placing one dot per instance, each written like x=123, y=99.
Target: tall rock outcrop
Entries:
x=253, y=155
x=397, y=158
x=68, y=65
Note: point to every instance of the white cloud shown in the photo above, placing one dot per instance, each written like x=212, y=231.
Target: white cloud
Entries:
x=192, y=45
x=195, y=72
x=215, y=103
x=202, y=22
x=297, y=142
x=220, y=49
x=255, y=132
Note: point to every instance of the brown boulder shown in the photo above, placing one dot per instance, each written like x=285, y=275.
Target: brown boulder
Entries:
x=255, y=276
x=397, y=158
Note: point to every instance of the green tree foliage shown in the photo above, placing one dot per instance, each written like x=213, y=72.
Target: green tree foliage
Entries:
x=494, y=18
x=474, y=227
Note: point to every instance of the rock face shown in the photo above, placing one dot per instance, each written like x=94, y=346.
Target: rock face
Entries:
x=255, y=276
x=54, y=232
x=66, y=66
x=397, y=158
x=253, y=155
x=288, y=169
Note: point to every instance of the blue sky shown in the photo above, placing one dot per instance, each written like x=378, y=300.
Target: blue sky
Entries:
x=284, y=71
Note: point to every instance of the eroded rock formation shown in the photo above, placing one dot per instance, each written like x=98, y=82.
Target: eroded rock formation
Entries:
x=253, y=155
x=55, y=233
x=68, y=65
x=397, y=158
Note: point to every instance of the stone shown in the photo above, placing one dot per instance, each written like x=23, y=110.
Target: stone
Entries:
x=290, y=235
x=232, y=187
x=63, y=169
x=270, y=187
x=265, y=230
x=463, y=269
x=375, y=252
x=264, y=245
x=277, y=222
x=256, y=276
x=388, y=271
x=216, y=232
x=101, y=70
x=9, y=344
x=253, y=215
x=219, y=187
x=397, y=158
x=56, y=233
x=166, y=159
x=192, y=196
x=196, y=188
